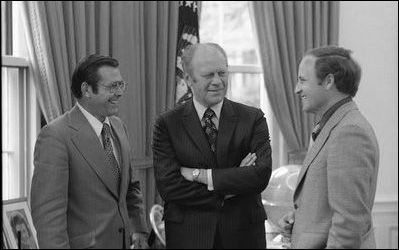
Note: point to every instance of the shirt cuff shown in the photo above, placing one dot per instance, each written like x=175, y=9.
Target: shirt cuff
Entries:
x=210, y=180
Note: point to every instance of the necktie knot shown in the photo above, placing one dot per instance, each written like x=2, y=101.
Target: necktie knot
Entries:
x=209, y=113
x=106, y=129
x=316, y=131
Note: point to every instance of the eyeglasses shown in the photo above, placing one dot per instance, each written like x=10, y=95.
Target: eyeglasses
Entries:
x=115, y=86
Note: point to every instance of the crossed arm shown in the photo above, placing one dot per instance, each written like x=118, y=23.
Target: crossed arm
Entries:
x=205, y=177
x=174, y=178
x=251, y=175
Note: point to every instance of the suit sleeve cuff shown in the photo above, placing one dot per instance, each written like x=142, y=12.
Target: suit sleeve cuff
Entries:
x=210, y=180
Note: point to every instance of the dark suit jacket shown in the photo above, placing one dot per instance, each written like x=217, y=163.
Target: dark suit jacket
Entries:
x=192, y=213
x=75, y=200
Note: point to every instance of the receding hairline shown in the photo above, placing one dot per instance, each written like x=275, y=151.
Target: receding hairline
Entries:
x=192, y=50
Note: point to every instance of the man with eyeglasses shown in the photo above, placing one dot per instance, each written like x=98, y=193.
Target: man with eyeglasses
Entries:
x=83, y=193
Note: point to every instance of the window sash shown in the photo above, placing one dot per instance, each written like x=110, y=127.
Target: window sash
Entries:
x=14, y=62
x=245, y=69
x=19, y=127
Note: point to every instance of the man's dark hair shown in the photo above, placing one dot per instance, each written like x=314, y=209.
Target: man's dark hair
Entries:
x=338, y=62
x=86, y=71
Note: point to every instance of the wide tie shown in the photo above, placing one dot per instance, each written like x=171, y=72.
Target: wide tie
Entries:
x=210, y=129
x=109, y=152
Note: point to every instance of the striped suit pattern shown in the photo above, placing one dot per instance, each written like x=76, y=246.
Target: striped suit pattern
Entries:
x=193, y=215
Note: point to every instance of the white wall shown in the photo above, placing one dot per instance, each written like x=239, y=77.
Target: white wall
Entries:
x=370, y=29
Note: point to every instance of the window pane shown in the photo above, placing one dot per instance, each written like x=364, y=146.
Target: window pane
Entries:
x=19, y=107
x=19, y=47
x=12, y=91
x=245, y=88
x=13, y=40
x=228, y=24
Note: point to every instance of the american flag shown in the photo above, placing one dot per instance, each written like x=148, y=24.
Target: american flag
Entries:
x=187, y=34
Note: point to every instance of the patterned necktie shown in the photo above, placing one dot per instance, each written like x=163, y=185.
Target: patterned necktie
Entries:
x=109, y=152
x=316, y=131
x=210, y=128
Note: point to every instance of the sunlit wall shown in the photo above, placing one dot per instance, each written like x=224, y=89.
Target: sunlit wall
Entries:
x=370, y=29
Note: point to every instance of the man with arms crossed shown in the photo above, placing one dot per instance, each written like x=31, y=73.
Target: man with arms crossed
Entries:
x=212, y=160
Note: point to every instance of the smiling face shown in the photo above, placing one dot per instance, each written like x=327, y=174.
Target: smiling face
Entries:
x=103, y=103
x=209, y=76
x=311, y=90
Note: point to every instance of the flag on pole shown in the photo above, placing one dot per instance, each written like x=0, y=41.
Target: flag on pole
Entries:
x=187, y=34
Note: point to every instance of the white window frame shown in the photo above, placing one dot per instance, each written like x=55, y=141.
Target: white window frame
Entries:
x=245, y=69
x=279, y=147
x=17, y=179
x=279, y=152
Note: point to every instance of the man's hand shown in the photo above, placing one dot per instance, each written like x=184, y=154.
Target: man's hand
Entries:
x=187, y=173
x=286, y=223
x=139, y=241
x=249, y=160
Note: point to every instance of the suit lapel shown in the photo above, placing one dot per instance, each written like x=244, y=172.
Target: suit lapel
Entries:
x=227, y=123
x=193, y=128
x=322, y=139
x=88, y=144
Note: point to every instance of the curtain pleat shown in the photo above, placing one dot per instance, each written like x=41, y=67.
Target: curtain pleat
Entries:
x=285, y=31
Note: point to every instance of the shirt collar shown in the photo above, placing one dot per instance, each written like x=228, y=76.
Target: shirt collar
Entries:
x=201, y=109
x=327, y=115
x=94, y=122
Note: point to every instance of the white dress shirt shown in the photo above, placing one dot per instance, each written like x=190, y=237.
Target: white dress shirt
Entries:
x=97, y=127
x=200, y=111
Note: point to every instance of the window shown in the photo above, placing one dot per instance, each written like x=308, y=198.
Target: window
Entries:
x=228, y=23
x=19, y=106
